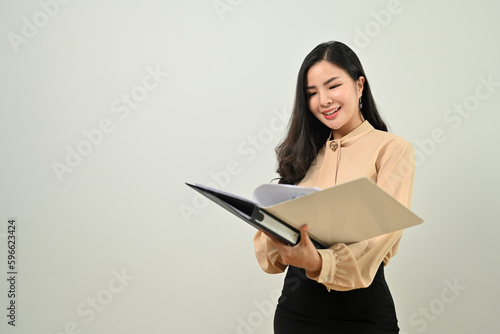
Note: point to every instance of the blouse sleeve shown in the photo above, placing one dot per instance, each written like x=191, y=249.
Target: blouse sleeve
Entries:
x=267, y=254
x=352, y=266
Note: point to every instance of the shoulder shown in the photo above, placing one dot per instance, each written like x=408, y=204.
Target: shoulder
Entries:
x=389, y=139
x=388, y=144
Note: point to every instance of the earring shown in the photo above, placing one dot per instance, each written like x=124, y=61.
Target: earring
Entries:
x=360, y=104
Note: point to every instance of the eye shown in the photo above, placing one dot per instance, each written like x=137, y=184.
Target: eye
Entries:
x=334, y=86
x=310, y=94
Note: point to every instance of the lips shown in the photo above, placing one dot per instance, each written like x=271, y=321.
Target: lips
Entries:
x=330, y=112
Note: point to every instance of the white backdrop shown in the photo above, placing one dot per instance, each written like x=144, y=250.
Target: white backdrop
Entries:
x=108, y=107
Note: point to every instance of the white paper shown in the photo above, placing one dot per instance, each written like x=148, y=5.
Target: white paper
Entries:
x=271, y=194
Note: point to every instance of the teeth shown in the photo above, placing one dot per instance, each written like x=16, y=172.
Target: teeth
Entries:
x=332, y=112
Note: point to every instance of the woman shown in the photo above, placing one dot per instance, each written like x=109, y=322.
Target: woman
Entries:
x=336, y=135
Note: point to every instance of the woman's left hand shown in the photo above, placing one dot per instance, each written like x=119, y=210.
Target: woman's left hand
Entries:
x=303, y=255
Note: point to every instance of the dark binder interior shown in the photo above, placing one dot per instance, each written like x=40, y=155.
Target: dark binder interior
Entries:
x=249, y=212
x=241, y=206
x=244, y=209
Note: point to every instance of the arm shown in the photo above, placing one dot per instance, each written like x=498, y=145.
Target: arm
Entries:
x=267, y=254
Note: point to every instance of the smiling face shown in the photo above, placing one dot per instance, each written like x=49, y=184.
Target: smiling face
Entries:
x=334, y=97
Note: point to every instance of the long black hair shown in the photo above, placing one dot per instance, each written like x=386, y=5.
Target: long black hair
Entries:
x=306, y=134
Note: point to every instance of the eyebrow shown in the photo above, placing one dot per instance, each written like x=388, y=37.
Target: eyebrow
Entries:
x=324, y=83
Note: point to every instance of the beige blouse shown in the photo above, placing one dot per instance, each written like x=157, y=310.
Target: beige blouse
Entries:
x=365, y=152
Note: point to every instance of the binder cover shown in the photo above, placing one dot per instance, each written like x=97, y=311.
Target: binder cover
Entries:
x=346, y=213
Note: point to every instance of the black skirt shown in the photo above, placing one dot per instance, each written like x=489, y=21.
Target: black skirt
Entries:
x=306, y=307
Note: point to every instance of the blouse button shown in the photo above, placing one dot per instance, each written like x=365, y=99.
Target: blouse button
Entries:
x=334, y=145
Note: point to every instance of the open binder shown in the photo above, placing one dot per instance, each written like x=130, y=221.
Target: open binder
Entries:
x=346, y=213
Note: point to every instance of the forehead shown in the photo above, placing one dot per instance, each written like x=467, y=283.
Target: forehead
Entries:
x=324, y=70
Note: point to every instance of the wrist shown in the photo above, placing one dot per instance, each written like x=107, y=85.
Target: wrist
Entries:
x=315, y=264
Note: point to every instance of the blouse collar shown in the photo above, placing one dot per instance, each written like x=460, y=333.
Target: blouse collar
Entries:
x=361, y=130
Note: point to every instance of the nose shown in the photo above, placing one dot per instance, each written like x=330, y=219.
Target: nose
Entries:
x=324, y=99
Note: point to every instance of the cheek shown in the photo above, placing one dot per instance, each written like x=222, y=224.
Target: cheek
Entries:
x=339, y=95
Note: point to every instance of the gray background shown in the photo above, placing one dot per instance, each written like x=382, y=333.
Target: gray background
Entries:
x=184, y=266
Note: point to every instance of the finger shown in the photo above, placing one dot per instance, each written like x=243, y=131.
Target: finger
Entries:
x=304, y=235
